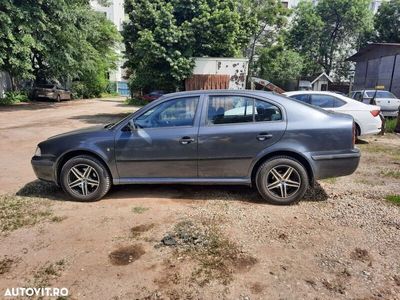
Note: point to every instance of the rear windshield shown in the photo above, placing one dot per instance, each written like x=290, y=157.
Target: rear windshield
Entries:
x=381, y=94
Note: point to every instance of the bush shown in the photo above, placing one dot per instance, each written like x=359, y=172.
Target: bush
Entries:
x=13, y=97
x=390, y=125
x=92, y=86
x=136, y=102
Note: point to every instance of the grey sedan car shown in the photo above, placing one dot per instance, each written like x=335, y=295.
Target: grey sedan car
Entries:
x=252, y=138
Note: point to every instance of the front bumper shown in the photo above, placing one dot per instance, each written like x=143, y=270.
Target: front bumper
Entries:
x=44, y=168
x=327, y=165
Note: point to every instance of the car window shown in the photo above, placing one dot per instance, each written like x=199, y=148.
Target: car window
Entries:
x=324, y=101
x=172, y=113
x=357, y=96
x=302, y=97
x=381, y=94
x=266, y=112
x=338, y=102
x=230, y=109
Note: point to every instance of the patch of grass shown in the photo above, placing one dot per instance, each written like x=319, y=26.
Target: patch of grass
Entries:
x=331, y=180
x=17, y=212
x=381, y=149
x=136, y=102
x=139, y=209
x=5, y=265
x=395, y=199
x=58, y=219
x=390, y=125
x=391, y=173
x=46, y=273
x=216, y=256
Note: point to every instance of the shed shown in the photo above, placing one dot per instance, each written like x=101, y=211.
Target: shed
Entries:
x=318, y=82
x=218, y=73
x=378, y=65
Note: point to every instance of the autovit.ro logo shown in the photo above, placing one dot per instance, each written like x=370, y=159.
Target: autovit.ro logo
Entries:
x=38, y=292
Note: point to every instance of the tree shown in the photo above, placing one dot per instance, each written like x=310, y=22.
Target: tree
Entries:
x=267, y=18
x=54, y=39
x=326, y=33
x=279, y=65
x=162, y=37
x=387, y=22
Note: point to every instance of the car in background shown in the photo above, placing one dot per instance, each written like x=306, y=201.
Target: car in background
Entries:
x=251, y=138
x=388, y=102
x=50, y=92
x=154, y=95
x=366, y=117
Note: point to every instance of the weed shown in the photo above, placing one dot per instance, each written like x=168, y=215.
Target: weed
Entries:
x=46, y=273
x=395, y=199
x=17, y=212
x=393, y=174
x=5, y=265
x=139, y=209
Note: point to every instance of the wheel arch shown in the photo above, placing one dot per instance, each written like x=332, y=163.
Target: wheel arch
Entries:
x=68, y=155
x=300, y=158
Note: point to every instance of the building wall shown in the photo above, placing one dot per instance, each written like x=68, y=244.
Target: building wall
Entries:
x=383, y=71
x=116, y=14
x=236, y=68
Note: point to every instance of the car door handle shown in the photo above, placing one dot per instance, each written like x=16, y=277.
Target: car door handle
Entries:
x=186, y=140
x=264, y=136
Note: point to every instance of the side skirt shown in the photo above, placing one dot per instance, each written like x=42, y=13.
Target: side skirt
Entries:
x=200, y=181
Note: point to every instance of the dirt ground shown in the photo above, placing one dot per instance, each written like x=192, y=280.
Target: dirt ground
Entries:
x=194, y=242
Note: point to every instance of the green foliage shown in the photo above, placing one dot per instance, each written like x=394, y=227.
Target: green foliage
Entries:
x=279, y=65
x=387, y=22
x=13, y=97
x=395, y=199
x=136, y=101
x=390, y=125
x=162, y=37
x=326, y=33
x=55, y=39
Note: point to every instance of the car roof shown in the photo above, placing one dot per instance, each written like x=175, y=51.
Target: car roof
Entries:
x=311, y=92
x=222, y=91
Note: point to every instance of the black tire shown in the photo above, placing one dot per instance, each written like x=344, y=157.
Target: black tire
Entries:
x=97, y=172
x=276, y=195
x=358, y=131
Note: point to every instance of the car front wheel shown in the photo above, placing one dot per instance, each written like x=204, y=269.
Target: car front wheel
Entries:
x=282, y=180
x=85, y=178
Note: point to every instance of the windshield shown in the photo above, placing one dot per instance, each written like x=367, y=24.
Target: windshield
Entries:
x=381, y=94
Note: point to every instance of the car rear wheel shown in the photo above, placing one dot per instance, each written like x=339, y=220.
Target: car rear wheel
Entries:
x=84, y=178
x=282, y=180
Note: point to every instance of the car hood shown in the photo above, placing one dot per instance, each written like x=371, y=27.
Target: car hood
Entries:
x=92, y=129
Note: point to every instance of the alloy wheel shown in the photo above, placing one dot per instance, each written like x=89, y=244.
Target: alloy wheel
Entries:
x=83, y=179
x=283, y=181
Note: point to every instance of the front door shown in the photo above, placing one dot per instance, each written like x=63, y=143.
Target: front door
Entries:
x=164, y=143
x=234, y=131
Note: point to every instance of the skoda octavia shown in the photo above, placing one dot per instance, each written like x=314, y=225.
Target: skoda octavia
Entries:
x=278, y=144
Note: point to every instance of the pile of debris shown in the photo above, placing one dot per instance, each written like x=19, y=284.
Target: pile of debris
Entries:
x=185, y=234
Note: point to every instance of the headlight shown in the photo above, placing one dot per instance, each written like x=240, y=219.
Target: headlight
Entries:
x=38, y=152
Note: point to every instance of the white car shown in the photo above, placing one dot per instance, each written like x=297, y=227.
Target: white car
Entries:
x=388, y=102
x=365, y=116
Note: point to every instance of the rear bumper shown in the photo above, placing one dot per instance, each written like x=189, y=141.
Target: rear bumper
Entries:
x=328, y=165
x=43, y=168
x=390, y=113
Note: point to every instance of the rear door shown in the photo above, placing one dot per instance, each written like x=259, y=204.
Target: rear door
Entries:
x=234, y=130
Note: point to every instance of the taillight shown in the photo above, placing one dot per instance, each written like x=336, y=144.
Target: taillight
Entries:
x=375, y=113
x=354, y=134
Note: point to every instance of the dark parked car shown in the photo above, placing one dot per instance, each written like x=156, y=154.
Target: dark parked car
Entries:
x=51, y=92
x=153, y=96
x=278, y=144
